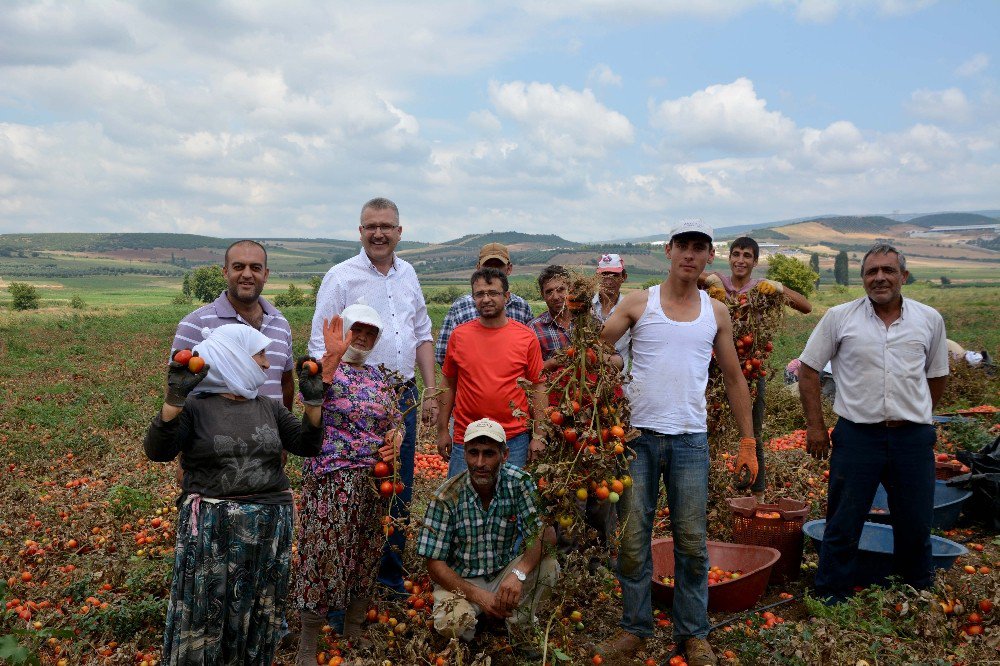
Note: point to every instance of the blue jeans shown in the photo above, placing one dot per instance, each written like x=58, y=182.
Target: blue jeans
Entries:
x=902, y=460
x=517, y=445
x=390, y=571
x=682, y=462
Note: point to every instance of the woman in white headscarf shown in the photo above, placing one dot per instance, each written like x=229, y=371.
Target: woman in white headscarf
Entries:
x=232, y=560
x=340, y=535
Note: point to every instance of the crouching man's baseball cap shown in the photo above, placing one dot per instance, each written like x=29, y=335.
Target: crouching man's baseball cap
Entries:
x=485, y=428
x=692, y=225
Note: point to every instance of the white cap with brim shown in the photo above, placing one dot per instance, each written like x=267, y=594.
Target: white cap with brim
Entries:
x=692, y=225
x=485, y=428
x=361, y=313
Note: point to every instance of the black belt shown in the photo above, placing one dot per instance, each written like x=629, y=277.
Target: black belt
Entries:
x=897, y=424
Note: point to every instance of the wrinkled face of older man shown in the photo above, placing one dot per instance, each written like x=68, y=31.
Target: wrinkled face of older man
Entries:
x=883, y=278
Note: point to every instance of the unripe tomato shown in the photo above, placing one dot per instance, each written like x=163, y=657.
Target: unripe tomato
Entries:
x=182, y=356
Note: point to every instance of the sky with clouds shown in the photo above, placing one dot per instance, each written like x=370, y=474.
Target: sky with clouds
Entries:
x=592, y=119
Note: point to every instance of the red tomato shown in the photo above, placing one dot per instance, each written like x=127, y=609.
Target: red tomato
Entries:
x=381, y=470
x=386, y=488
x=399, y=487
x=183, y=356
x=570, y=435
x=557, y=417
x=196, y=364
x=311, y=367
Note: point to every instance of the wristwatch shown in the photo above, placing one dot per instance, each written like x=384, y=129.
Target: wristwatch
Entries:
x=521, y=576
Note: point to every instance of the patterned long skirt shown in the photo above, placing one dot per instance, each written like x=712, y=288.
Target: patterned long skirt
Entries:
x=340, y=539
x=232, y=567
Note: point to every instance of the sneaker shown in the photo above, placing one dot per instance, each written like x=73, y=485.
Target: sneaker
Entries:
x=622, y=645
x=699, y=653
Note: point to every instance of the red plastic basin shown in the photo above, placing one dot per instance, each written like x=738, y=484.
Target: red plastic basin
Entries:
x=733, y=595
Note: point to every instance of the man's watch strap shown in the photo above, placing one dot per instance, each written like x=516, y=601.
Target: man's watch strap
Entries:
x=521, y=576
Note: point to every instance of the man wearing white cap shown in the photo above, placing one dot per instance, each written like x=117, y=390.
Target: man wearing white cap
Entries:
x=390, y=286
x=612, y=275
x=482, y=537
x=675, y=330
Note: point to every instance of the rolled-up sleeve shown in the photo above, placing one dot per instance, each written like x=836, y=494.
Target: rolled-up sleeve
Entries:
x=821, y=345
x=937, y=358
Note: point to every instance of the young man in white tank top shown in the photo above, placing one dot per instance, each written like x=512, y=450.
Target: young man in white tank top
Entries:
x=675, y=328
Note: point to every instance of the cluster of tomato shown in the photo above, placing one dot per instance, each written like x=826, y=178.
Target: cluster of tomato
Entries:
x=387, y=487
x=428, y=464
x=586, y=426
x=947, y=465
x=972, y=625
x=193, y=362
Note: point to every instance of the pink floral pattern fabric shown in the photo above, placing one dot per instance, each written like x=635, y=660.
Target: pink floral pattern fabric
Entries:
x=359, y=409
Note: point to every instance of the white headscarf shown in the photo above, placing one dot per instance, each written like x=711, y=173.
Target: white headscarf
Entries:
x=229, y=349
x=360, y=313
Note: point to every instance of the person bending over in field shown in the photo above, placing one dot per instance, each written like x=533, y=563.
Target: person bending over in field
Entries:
x=234, y=528
x=475, y=526
x=744, y=254
x=340, y=536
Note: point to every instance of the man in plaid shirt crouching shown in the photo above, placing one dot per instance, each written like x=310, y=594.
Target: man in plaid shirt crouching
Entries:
x=482, y=537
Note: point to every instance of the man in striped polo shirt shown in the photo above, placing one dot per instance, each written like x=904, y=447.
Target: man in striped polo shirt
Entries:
x=246, y=272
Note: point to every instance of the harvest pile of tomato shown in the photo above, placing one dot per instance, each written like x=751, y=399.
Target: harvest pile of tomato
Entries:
x=428, y=464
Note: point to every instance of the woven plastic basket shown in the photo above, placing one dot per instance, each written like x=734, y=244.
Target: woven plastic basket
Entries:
x=782, y=530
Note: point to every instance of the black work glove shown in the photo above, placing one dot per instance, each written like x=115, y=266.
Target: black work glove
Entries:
x=311, y=381
x=181, y=381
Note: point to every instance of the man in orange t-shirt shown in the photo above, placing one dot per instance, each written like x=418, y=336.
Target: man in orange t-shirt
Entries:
x=484, y=360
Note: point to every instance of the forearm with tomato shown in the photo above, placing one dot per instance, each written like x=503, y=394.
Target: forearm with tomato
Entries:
x=425, y=364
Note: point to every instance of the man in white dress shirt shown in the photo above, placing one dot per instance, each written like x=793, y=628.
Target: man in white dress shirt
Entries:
x=389, y=285
x=890, y=363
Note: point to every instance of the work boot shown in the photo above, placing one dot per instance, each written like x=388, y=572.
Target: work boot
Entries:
x=311, y=625
x=698, y=652
x=620, y=647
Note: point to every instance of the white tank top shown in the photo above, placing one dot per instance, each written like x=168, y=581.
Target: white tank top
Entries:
x=670, y=368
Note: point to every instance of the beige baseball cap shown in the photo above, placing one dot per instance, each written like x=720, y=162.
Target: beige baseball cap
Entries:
x=494, y=251
x=485, y=428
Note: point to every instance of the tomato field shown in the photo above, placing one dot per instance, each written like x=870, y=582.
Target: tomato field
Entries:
x=87, y=527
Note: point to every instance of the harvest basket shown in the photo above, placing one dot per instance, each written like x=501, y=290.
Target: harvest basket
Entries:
x=755, y=563
x=783, y=533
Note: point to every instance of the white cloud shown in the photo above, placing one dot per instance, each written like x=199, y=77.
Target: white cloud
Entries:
x=603, y=75
x=727, y=117
x=973, y=65
x=485, y=121
x=824, y=11
x=948, y=105
x=567, y=122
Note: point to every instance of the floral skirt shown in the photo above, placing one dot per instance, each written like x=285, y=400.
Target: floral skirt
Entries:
x=232, y=567
x=340, y=539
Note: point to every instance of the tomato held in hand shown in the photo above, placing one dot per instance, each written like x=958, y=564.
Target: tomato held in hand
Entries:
x=182, y=356
x=311, y=367
x=196, y=364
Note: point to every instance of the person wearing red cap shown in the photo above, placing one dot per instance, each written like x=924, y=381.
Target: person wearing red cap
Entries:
x=612, y=275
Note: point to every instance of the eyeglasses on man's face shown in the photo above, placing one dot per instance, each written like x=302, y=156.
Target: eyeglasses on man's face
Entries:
x=491, y=293
x=379, y=228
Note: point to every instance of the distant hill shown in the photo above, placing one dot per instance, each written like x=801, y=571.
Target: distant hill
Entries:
x=864, y=224
x=952, y=220
x=109, y=242
x=511, y=238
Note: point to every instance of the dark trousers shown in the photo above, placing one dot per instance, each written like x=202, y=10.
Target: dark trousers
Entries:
x=390, y=571
x=902, y=460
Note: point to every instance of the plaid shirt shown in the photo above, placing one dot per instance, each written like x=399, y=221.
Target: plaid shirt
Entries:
x=464, y=309
x=551, y=336
x=477, y=542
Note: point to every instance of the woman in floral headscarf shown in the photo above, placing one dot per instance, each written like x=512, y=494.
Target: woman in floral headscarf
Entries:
x=340, y=536
x=232, y=560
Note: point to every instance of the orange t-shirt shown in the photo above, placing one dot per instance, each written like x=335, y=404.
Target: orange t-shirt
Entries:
x=484, y=365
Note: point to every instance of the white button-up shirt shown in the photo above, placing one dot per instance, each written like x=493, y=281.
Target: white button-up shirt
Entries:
x=881, y=372
x=396, y=297
x=624, y=344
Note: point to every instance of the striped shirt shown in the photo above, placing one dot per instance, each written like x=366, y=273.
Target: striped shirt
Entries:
x=396, y=297
x=220, y=312
x=480, y=542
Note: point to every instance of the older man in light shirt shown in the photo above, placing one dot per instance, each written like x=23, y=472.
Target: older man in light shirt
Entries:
x=388, y=284
x=890, y=363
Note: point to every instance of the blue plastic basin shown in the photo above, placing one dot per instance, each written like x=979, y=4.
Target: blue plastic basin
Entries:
x=875, y=551
x=947, y=505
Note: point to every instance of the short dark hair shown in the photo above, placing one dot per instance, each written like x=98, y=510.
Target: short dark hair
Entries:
x=245, y=241
x=884, y=248
x=490, y=274
x=549, y=272
x=747, y=243
x=380, y=203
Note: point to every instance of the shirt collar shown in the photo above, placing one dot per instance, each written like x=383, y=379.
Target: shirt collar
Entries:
x=368, y=262
x=226, y=309
x=870, y=307
x=549, y=320
x=474, y=496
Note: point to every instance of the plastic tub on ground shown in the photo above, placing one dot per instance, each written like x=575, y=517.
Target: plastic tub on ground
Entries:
x=737, y=594
x=876, y=547
x=948, y=503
